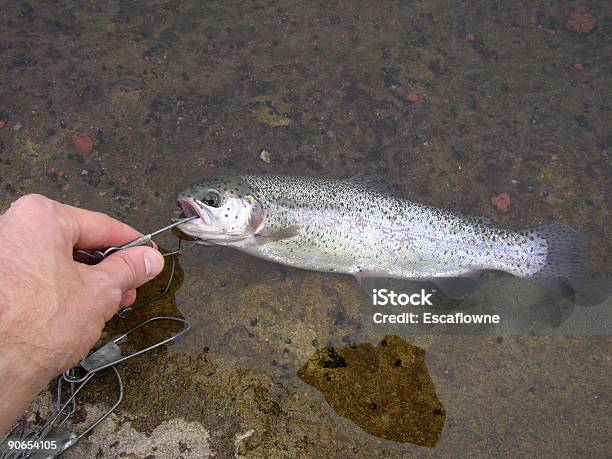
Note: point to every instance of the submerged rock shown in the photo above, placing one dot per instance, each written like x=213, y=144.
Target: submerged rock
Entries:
x=581, y=20
x=386, y=390
x=82, y=143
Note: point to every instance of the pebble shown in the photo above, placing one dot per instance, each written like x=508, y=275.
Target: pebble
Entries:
x=93, y=167
x=18, y=126
x=501, y=202
x=82, y=143
x=265, y=156
x=581, y=20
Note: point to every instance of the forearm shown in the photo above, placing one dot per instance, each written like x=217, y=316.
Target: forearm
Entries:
x=19, y=385
x=21, y=378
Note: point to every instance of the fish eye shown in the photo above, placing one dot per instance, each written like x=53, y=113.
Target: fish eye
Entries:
x=212, y=198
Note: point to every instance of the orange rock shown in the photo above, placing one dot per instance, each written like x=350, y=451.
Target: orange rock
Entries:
x=501, y=202
x=470, y=37
x=413, y=97
x=581, y=20
x=82, y=143
x=124, y=179
x=2, y=123
x=578, y=66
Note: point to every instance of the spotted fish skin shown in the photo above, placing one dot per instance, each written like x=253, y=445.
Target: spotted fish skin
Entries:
x=349, y=226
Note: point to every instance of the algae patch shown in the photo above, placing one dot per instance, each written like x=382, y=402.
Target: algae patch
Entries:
x=386, y=390
x=272, y=111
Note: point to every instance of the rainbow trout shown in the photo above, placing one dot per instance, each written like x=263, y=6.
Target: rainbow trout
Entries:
x=350, y=226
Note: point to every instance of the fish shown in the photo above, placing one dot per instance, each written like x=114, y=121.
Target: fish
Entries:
x=353, y=226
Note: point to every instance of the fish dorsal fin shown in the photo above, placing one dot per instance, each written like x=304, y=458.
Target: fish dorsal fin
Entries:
x=376, y=183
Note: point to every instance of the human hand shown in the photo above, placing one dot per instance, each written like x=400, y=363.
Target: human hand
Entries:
x=53, y=309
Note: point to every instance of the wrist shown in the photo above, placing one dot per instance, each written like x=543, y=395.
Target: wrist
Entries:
x=17, y=366
x=21, y=381
x=21, y=358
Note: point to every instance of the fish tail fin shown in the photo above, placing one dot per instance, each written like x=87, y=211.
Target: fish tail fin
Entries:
x=564, y=248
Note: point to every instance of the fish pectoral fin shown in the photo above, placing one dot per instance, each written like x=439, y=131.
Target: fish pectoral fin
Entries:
x=270, y=236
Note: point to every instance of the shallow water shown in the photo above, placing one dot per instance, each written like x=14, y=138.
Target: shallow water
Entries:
x=451, y=103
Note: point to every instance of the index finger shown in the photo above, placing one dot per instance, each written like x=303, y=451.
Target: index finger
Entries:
x=95, y=230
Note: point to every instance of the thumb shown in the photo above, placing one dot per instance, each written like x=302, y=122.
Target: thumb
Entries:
x=130, y=268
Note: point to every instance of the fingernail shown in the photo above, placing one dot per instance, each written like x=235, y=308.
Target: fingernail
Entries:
x=153, y=262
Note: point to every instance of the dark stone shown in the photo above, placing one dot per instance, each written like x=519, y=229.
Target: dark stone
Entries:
x=584, y=122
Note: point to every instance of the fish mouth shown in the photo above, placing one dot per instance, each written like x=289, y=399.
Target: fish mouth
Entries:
x=192, y=209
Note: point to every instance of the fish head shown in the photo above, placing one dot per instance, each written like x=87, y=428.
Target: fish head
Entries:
x=227, y=207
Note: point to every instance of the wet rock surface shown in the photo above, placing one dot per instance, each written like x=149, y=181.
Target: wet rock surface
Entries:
x=166, y=92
